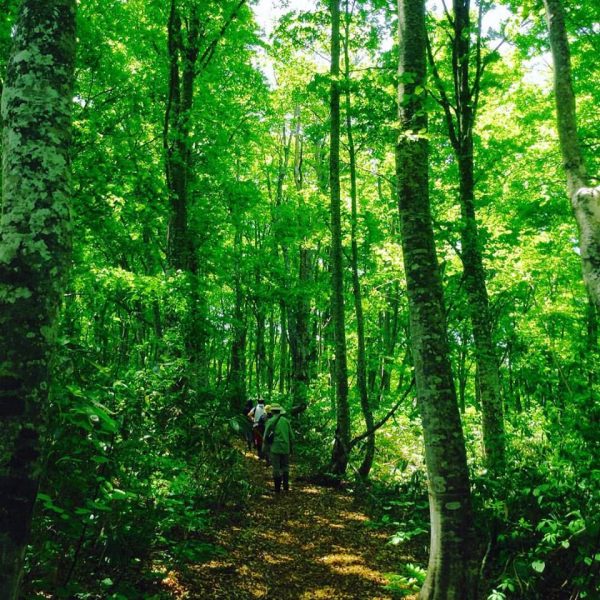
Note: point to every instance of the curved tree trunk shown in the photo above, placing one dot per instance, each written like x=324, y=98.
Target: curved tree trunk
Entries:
x=585, y=199
x=450, y=569
x=34, y=255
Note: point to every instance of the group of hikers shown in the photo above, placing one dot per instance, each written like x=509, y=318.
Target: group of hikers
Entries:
x=273, y=439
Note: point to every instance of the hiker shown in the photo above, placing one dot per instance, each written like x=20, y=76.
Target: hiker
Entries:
x=264, y=420
x=248, y=435
x=258, y=425
x=278, y=443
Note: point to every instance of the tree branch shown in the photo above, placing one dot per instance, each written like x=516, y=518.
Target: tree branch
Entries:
x=383, y=421
x=209, y=52
x=443, y=100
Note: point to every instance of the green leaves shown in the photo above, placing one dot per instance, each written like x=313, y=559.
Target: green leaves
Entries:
x=90, y=414
x=538, y=566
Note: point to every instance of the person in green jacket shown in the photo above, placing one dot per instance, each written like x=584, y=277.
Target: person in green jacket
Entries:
x=280, y=447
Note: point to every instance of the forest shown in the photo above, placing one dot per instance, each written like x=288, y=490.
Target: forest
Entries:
x=378, y=218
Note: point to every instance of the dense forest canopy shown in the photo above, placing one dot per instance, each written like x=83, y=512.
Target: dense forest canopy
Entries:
x=382, y=217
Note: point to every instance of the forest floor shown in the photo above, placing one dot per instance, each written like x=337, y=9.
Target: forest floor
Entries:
x=309, y=543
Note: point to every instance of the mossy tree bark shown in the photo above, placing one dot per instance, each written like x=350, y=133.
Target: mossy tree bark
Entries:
x=339, y=458
x=449, y=573
x=584, y=198
x=34, y=255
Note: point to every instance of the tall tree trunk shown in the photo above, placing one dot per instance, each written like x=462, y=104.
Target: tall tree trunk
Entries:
x=460, y=119
x=591, y=352
x=186, y=60
x=261, y=350
x=271, y=353
x=237, y=375
x=361, y=361
x=389, y=329
x=450, y=564
x=300, y=307
x=488, y=380
x=283, y=347
x=34, y=255
x=474, y=272
x=299, y=335
x=339, y=458
x=585, y=199
x=183, y=52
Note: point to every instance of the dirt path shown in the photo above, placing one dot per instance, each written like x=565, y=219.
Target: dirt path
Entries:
x=306, y=544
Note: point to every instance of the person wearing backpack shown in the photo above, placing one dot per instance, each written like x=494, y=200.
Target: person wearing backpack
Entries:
x=278, y=442
x=256, y=416
x=263, y=424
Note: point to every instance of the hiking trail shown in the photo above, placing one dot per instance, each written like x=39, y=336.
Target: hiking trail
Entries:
x=309, y=543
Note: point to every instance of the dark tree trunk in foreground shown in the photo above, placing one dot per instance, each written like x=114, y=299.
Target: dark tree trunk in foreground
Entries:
x=34, y=255
x=450, y=565
x=585, y=199
x=339, y=458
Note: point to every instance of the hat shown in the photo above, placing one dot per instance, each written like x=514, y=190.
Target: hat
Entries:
x=277, y=408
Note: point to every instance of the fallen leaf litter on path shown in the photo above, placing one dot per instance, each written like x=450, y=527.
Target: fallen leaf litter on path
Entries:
x=308, y=544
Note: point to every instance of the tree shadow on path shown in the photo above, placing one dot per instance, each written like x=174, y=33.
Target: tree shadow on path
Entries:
x=309, y=543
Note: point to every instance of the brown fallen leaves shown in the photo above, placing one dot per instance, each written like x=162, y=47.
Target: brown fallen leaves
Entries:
x=308, y=544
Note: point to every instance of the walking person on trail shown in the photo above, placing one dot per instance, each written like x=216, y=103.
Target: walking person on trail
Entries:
x=258, y=426
x=264, y=420
x=279, y=443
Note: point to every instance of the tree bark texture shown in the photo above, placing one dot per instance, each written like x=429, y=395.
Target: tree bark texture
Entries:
x=585, y=199
x=339, y=459
x=183, y=53
x=449, y=573
x=34, y=255
x=361, y=360
x=460, y=119
x=481, y=321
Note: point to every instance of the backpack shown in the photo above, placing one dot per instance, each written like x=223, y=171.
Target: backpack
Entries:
x=271, y=435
